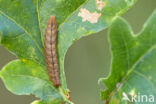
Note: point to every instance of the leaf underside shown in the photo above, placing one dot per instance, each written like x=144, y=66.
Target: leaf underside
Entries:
x=22, y=24
x=133, y=62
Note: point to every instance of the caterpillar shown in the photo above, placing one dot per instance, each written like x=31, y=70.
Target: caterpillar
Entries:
x=50, y=53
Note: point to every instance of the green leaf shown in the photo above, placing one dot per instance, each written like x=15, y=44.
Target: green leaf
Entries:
x=28, y=77
x=22, y=25
x=133, y=61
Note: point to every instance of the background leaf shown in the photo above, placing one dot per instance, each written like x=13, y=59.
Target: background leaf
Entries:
x=37, y=102
x=133, y=61
x=22, y=24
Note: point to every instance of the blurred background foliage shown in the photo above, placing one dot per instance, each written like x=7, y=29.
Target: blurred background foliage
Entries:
x=86, y=61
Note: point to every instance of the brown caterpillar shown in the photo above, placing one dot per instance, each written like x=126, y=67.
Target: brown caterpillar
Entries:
x=50, y=51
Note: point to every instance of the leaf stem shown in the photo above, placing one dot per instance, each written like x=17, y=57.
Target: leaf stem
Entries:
x=64, y=96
